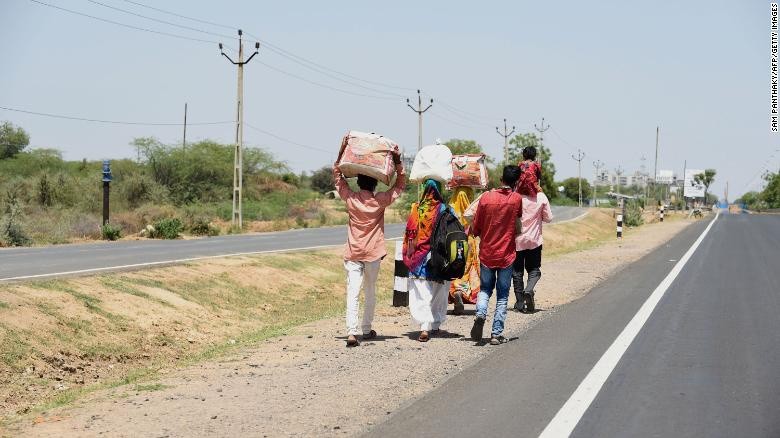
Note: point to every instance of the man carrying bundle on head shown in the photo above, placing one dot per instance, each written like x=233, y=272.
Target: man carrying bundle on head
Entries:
x=365, y=247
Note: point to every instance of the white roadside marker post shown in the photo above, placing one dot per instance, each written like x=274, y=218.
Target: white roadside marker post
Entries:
x=401, y=280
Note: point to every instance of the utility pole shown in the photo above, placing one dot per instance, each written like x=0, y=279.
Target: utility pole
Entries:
x=578, y=158
x=619, y=173
x=419, y=112
x=541, y=128
x=506, y=140
x=655, y=169
x=184, y=137
x=685, y=169
x=238, y=161
x=598, y=165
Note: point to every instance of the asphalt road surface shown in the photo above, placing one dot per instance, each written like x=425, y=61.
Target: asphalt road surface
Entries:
x=705, y=363
x=52, y=261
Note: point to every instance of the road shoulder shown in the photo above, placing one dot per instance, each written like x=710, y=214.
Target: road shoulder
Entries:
x=307, y=383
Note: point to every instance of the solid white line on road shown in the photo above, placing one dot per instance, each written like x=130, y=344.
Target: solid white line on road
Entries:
x=564, y=422
x=163, y=262
x=169, y=262
x=571, y=220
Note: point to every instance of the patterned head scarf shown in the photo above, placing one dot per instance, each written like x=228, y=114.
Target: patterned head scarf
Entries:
x=419, y=227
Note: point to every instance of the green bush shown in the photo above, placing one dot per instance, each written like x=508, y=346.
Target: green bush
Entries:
x=110, y=232
x=633, y=216
x=168, y=228
x=11, y=232
x=203, y=227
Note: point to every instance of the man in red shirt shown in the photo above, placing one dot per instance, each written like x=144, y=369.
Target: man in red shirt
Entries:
x=496, y=223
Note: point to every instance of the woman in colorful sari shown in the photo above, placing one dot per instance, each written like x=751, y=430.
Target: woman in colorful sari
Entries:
x=427, y=294
x=465, y=289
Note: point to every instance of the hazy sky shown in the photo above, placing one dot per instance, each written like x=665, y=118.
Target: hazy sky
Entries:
x=603, y=74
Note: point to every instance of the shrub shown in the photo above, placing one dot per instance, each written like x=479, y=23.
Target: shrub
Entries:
x=169, y=228
x=322, y=180
x=203, y=227
x=633, y=216
x=111, y=232
x=45, y=191
x=11, y=232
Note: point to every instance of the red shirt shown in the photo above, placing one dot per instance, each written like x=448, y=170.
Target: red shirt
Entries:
x=494, y=223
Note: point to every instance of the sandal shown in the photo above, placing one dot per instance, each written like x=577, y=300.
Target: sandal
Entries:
x=423, y=336
x=369, y=335
x=498, y=340
x=352, y=341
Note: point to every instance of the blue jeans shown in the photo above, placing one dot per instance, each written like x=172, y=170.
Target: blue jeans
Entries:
x=501, y=279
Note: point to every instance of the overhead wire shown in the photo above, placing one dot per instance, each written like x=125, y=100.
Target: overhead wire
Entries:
x=179, y=15
x=286, y=140
x=117, y=23
x=319, y=84
x=112, y=122
x=181, y=26
x=271, y=47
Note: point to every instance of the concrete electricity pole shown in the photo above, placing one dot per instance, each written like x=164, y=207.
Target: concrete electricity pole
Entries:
x=541, y=128
x=619, y=173
x=597, y=165
x=419, y=112
x=238, y=161
x=184, y=137
x=578, y=158
x=655, y=169
x=506, y=136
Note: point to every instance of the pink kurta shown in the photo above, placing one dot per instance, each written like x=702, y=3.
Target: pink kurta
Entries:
x=366, y=230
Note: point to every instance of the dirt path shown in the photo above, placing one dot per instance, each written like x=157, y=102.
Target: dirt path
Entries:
x=307, y=383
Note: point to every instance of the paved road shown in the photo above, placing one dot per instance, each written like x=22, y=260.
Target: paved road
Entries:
x=23, y=263
x=705, y=363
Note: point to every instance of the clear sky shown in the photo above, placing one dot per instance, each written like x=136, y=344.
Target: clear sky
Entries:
x=603, y=74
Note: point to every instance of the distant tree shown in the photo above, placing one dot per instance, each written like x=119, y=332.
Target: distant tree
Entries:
x=516, y=146
x=705, y=178
x=322, y=180
x=12, y=140
x=771, y=194
x=460, y=146
x=571, y=189
x=748, y=198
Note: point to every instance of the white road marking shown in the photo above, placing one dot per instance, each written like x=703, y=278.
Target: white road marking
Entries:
x=571, y=220
x=168, y=262
x=572, y=411
x=163, y=262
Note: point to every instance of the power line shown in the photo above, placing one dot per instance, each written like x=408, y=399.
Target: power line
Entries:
x=180, y=16
x=130, y=26
x=181, y=26
x=321, y=71
x=270, y=45
x=286, y=140
x=319, y=84
x=454, y=122
x=112, y=122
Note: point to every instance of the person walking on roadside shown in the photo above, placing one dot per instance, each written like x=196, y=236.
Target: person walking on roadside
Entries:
x=427, y=294
x=496, y=223
x=536, y=210
x=365, y=247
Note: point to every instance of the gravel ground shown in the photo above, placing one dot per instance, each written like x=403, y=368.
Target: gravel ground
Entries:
x=308, y=384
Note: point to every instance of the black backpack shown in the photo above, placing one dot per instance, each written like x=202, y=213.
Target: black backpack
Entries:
x=449, y=248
